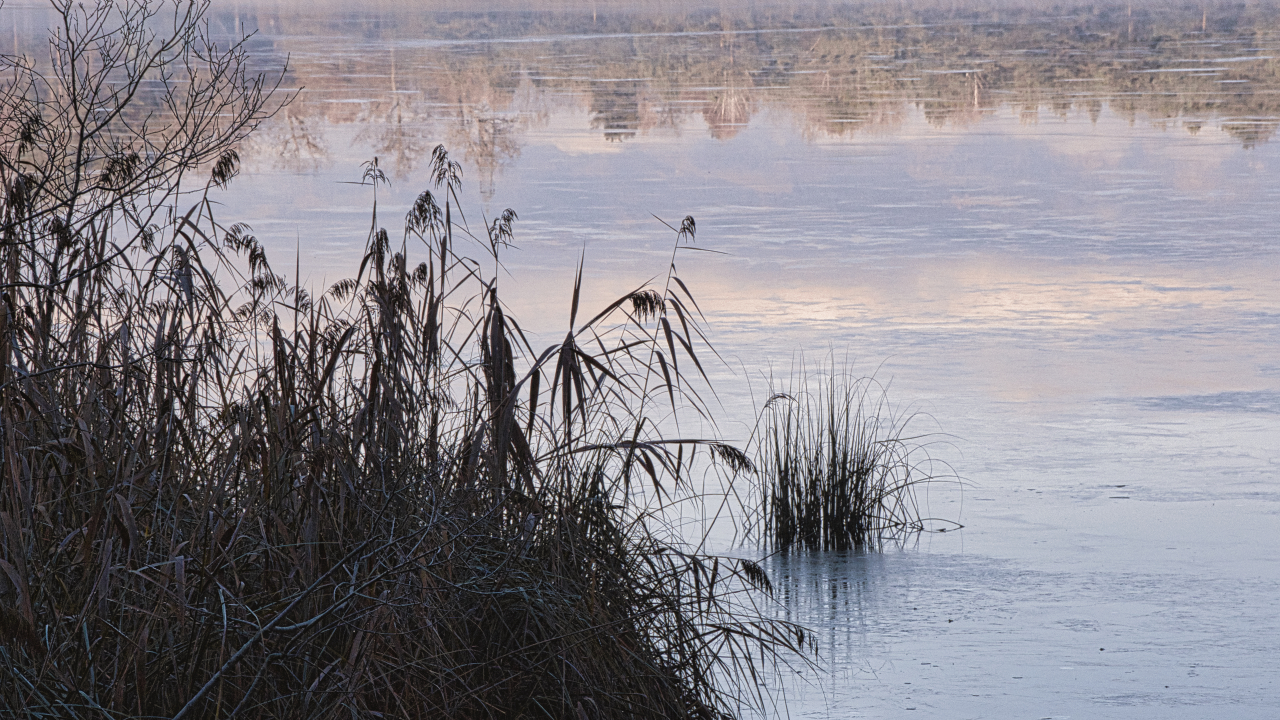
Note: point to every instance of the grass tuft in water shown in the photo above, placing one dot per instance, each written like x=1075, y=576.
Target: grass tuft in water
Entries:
x=838, y=469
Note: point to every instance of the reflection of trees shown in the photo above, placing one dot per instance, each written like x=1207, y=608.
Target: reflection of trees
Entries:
x=399, y=135
x=867, y=71
x=482, y=111
x=293, y=140
x=615, y=108
x=1251, y=131
x=487, y=139
x=396, y=123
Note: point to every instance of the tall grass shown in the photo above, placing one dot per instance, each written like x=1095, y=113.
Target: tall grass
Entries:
x=222, y=496
x=838, y=467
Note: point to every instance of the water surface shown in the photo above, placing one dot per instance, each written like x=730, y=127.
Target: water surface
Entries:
x=1052, y=231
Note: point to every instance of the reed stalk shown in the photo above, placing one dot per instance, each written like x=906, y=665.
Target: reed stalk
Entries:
x=224, y=496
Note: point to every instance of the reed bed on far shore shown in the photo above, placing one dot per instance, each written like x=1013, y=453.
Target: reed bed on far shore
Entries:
x=838, y=468
x=224, y=496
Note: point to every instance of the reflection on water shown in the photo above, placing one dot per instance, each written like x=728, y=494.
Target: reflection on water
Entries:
x=481, y=80
x=404, y=74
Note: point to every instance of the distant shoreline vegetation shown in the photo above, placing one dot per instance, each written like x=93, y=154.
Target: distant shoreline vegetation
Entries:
x=482, y=78
x=840, y=69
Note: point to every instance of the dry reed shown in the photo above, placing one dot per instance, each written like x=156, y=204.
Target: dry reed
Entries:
x=838, y=469
x=222, y=497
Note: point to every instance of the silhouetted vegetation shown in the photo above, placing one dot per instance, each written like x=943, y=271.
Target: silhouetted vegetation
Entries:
x=223, y=496
x=838, y=469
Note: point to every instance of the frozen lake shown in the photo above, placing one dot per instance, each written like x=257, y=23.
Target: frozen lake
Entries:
x=1058, y=235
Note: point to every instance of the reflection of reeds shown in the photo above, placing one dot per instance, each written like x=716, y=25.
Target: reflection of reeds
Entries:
x=837, y=468
x=728, y=109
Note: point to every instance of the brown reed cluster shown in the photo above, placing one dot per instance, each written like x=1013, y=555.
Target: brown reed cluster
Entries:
x=222, y=496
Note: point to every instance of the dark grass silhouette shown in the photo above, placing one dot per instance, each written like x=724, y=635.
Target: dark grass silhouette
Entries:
x=839, y=469
x=222, y=496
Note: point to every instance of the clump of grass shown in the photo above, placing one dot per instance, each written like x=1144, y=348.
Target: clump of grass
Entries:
x=224, y=496
x=838, y=469
x=251, y=502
